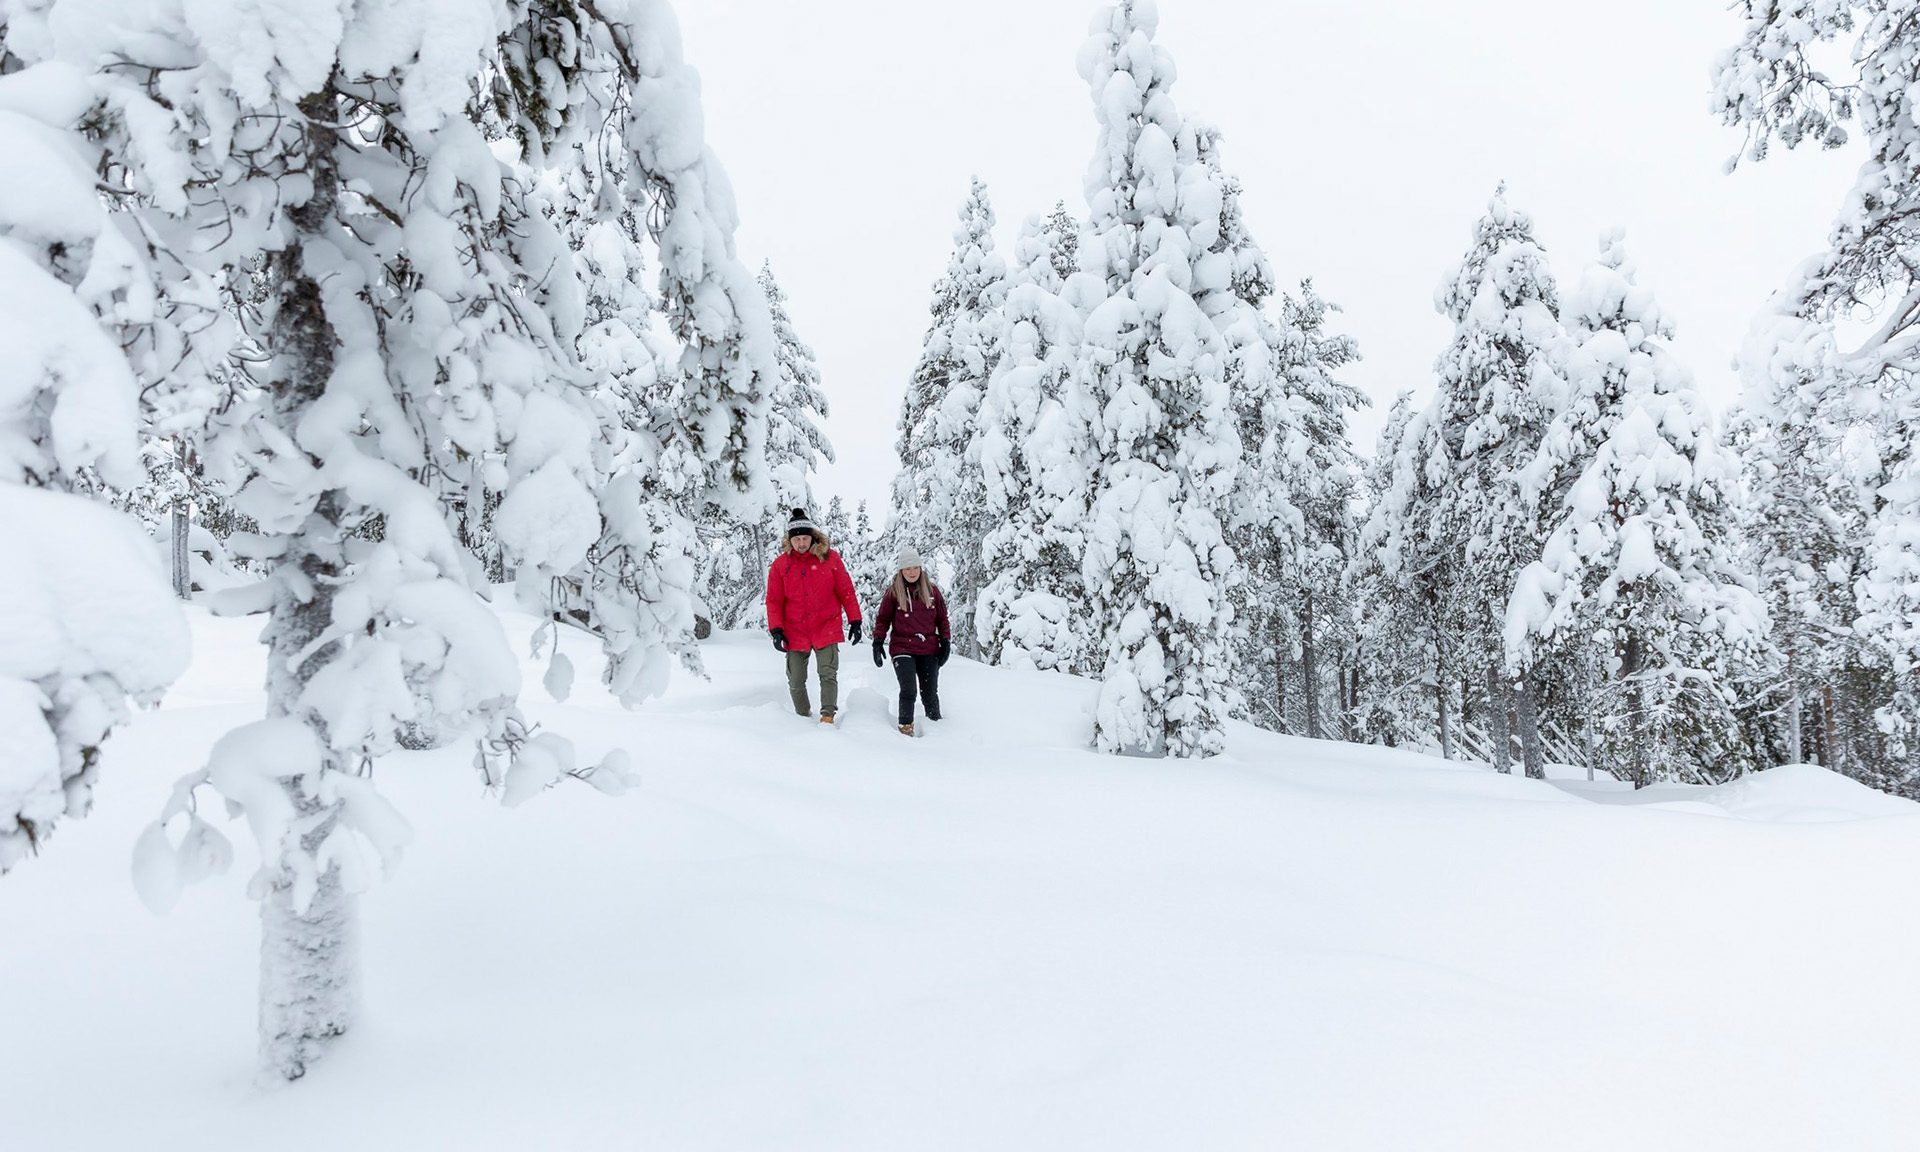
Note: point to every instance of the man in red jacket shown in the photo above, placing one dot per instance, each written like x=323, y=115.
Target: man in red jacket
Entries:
x=807, y=588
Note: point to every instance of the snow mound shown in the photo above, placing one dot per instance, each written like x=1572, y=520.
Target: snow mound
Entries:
x=1803, y=794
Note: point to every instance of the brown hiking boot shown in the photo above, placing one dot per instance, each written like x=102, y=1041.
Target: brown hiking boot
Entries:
x=826, y=718
x=906, y=729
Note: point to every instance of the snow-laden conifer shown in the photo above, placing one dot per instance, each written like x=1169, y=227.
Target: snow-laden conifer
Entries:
x=1153, y=375
x=1642, y=556
x=1786, y=81
x=1031, y=612
x=939, y=502
x=411, y=315
x=1497, y=388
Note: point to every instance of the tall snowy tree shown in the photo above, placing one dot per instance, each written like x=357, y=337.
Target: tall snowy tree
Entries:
x=412, y=316
x=795, y=444
x=1153, y=371
x=1642, y=555
x=1770, y=86
x=939, y=501
x=1032, y=610
x=1403, y=657
x=1811, y=471
x=1472, y=526
x=736, y=553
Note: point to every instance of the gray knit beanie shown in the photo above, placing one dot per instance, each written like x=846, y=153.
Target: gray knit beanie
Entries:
x=907, y=558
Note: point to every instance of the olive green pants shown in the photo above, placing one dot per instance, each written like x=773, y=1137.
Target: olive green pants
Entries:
x=829, y=660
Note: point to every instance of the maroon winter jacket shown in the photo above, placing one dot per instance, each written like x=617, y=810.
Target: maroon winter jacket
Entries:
x=918, y=629
x=806, y=592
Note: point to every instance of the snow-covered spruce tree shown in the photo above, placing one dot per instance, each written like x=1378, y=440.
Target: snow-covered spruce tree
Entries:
x=1290, y=526
x=1402, y=653
x=1497, y=388
x=1642, y=555
x=107, y=339
x=795, y=444
x=1811, y=472
x=1031, y=612
x=869, y=558
x=1153, y=374
x=413, y=317
x=1769, y=86
x=1314, y=580
x=736, y=553
x=939, y=503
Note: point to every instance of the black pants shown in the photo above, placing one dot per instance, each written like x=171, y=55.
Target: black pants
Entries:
x=922, y=672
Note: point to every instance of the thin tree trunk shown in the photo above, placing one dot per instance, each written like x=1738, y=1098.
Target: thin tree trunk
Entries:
x=306, y=958
x=1587, y=719
x=1440, y=679
x=1835, y=761
x=1310, y=669
x=1630, y=667
x=1280, y=688
x=1526, y=710
x=1795, y=750
x=1499, y=739
x=180, y=553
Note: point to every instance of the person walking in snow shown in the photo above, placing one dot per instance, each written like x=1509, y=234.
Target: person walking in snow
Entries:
x=807, y=590
x=916, y=613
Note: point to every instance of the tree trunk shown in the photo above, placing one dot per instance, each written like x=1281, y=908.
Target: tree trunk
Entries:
x=1586, y=719
x=1310, y=670
x=181, y=554
x=1795, y=750
x=1499, y=739
x=1835, y=761
x=1630, y=667
x=306, y=961
x=1280, y=688
x=1526, y=710
x=1440, y=678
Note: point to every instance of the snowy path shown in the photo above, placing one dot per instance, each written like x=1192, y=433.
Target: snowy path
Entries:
x=795, y=938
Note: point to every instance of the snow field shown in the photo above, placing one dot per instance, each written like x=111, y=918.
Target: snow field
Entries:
x=793, y=937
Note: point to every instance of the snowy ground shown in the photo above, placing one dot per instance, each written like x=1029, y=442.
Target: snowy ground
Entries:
x=794, y=938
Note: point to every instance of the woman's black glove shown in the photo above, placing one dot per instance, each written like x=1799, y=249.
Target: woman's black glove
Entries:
x=879, y=659
x=853, y=632
x=779, y=638
x=945, y=647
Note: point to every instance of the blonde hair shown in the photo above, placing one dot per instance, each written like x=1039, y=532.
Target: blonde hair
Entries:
x=900, y=590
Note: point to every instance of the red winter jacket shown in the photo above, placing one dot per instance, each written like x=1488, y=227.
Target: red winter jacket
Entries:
x=805, y=593
x=918, y=628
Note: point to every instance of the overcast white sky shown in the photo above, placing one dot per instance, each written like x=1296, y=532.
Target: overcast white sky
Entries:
x=1369, y=135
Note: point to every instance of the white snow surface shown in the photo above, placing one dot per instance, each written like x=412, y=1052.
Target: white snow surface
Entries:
x=796, y=938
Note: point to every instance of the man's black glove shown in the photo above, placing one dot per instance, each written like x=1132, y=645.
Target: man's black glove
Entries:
x=779, y=638
x=879, y=660
x=853, y=632
x=945, y=648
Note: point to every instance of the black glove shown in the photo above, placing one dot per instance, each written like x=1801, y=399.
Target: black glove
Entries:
x=879, y=660
x=779, y=638
x=945, y=648
x=853, y=632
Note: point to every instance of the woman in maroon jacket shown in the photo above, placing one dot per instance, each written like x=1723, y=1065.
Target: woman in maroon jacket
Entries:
x=915, y=612
x=807, y=590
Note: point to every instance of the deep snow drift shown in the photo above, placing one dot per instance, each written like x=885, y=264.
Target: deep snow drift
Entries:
x=796, y=938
